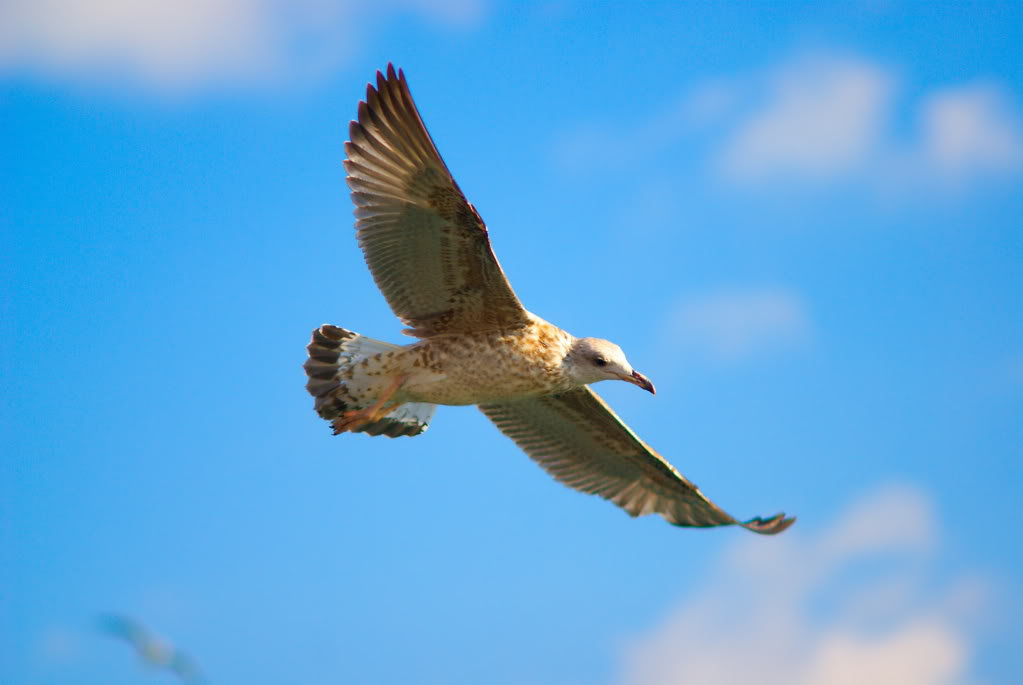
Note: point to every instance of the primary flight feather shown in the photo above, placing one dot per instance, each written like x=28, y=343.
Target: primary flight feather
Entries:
x=430, y=255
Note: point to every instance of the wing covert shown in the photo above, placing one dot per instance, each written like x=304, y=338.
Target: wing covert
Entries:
x=424, y=243
x=580, y=441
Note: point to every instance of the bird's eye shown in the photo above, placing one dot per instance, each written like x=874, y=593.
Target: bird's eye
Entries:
x=600, y=361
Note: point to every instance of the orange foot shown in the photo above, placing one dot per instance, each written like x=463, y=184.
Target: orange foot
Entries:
x=356, y=418
x=350, y=420
x=353, y=420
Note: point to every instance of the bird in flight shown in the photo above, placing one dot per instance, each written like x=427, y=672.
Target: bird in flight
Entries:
x=154, y=651
x=430, y=255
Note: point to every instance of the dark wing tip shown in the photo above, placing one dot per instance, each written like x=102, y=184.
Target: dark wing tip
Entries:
x=769, y=526
x=383, y=79
x=120, y=626
x=388, y=74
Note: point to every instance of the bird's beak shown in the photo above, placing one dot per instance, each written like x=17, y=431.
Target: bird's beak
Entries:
x=642, y=381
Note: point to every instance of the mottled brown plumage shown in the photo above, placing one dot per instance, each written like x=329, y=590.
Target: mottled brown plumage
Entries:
x=425, y=244
x=430, y=255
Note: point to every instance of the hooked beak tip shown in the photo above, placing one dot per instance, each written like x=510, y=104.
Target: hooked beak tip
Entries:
x=642, y=381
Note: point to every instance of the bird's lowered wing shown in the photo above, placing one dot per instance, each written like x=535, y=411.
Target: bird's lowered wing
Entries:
x=576, y=438
x=426, y=246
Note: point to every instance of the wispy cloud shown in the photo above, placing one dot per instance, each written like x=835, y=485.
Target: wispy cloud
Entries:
x=840, y=607
x=822, y=117
x=825, y=120
x=970, y=131
x=815, y=121
x=734, y=325
x=595, y=146
x=181, y=44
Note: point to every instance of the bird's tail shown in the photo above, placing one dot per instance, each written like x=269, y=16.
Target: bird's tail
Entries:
x=333, y=354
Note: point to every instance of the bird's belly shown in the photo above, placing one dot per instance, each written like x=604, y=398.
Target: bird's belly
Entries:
x=459, y=388
x=486, y=367
x=488, y=375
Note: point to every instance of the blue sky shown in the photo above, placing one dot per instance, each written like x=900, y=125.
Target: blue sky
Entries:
x=801, y=220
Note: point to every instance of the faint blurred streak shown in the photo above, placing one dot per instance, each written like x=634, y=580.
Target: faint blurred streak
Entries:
x=586, y=150
x=153, y=650
x=730, y=326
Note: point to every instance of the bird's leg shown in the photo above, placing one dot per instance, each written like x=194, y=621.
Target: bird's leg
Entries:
x=351, y=420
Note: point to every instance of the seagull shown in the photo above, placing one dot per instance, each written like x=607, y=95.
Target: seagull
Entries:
x=430, y=254
x=154, y=651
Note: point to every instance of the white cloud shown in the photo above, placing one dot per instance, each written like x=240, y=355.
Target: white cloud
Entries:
x=827, y=119
x=166, y=42
x=764, y=614
x=815, y=121
x=176, y=44
x=738, y=324
x=822, y=117
x=970, y=131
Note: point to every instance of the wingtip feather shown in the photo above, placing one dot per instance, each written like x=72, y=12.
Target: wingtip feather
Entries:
x=769, y=526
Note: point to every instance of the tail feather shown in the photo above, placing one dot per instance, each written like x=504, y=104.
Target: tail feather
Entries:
x=333, y=352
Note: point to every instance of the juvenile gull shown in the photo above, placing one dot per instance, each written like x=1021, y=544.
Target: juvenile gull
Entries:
x=430, y=255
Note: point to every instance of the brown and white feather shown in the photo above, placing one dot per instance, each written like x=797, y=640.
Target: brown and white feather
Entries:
x=580, y=441
x=426, y=246
x=347, y=372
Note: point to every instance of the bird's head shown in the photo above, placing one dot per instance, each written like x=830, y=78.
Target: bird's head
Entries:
x=592, y=359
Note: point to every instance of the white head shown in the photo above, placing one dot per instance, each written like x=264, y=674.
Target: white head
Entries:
x=592, y=359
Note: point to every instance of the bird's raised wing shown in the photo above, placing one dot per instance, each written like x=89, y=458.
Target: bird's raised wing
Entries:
x=126, y=629
x=426, y=246
x=576, y=438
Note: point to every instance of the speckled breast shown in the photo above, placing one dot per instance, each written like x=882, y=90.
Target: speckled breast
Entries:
x=487, y=367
